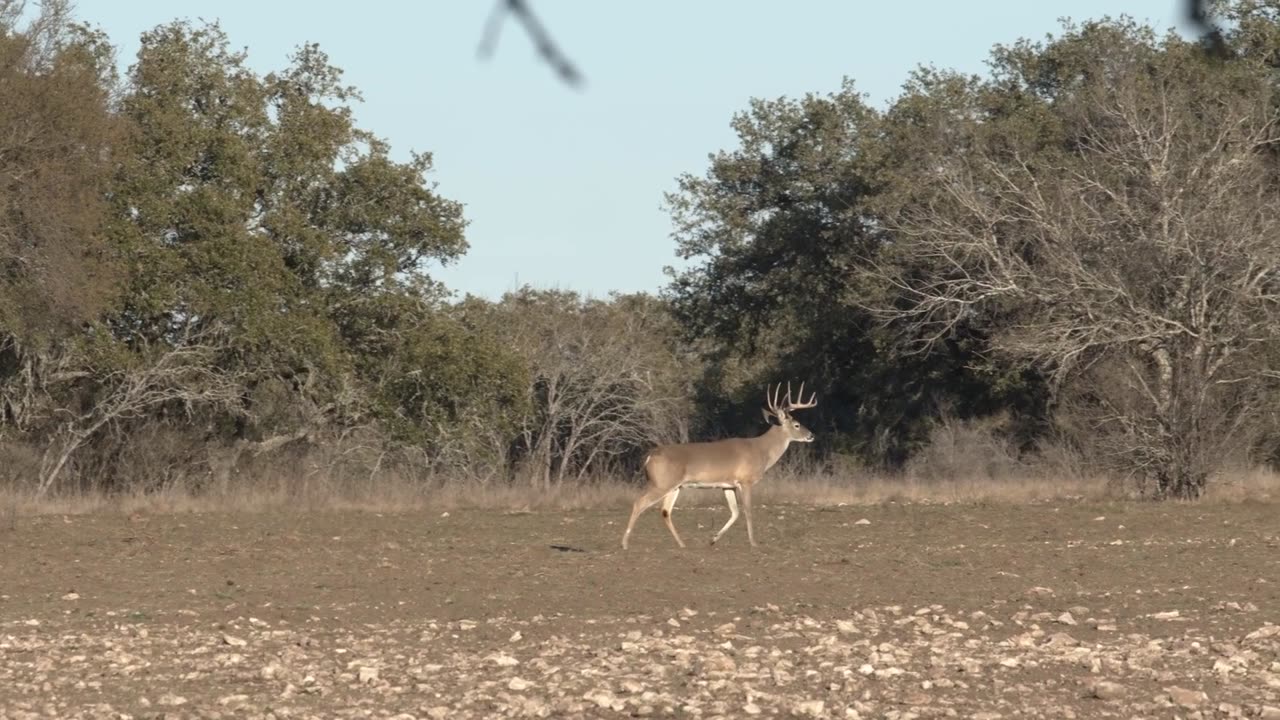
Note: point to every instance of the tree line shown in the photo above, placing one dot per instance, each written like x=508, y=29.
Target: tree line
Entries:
x=204, y=268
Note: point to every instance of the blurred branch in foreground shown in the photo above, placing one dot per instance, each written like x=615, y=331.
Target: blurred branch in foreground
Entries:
x=542, y=40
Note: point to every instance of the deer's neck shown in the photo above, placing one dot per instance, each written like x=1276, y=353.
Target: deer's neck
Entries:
x=773, y=444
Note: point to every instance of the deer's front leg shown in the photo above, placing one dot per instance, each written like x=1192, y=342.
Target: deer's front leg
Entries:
x=731, y=497
x=668, y=505
x=746, y=509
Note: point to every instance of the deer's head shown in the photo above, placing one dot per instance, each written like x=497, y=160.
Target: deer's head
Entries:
x=781, y=412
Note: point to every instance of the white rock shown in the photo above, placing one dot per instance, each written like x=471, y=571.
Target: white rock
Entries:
x=1106, y=690
x=602, y=698
x=519, y=684
x=502, y=660
x=1189, y=699
x=810, y=708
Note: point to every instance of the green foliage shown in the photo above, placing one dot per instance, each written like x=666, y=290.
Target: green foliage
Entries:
x=779, y=228
x=56, y=136
x=255, y=202
x=227, y=261
x=250, y=215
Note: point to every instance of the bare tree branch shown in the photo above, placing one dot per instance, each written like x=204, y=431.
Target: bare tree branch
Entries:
x=542, y=40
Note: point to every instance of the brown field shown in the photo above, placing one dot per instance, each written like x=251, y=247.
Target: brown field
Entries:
x=1057, y=608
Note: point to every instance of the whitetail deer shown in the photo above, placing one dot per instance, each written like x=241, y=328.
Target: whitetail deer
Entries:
x=733, y=465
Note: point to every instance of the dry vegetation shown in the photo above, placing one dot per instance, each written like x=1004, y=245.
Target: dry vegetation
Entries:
x=962, y=465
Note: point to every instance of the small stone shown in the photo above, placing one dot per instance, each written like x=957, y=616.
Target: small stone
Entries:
x=1106, y=690
x=1269, y=712
x=171, y=700
x=1184, y=698
x=233, y=641
x=1061, y=640
x=1166, y=615
x=515, y=637
x=233, y=700
x=1010, y=662
x=73, y=595
x=1266, y=631
x=719, y=663
x=863, y=521
x=846, y=627
x=602, y=698
x=810, y=708
x=366, y=675
x=1065, y=618
x=519, y=684
x=439, y=712
x=751, y=709
x=502, y=660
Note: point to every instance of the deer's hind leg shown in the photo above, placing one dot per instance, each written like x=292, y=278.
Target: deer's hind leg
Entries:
x=669, y=505
x=642, y=503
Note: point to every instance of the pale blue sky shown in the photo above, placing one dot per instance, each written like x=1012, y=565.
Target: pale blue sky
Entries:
x=563, y=188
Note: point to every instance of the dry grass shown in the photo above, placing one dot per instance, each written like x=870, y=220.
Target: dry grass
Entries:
x=785, y=487
x=966, y=462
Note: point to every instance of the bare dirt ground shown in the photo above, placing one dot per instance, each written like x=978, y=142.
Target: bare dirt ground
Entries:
x=1056, y=610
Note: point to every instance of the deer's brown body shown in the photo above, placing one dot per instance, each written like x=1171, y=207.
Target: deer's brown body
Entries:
x=734, y=465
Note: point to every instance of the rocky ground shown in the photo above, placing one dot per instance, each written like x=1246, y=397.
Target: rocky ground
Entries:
x=1053, y=611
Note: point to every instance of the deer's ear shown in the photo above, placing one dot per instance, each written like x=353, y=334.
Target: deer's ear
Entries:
x=768, y=416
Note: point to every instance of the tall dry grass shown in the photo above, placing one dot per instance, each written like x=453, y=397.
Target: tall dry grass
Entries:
x=965, y=462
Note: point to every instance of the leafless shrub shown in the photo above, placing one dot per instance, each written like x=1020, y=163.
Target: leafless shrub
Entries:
x=604, y=383
x=183, y=374
x=965, y=449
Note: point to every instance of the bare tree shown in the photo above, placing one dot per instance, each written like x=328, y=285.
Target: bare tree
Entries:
x=603, y=378
x=1145, y=254
x=183, y=373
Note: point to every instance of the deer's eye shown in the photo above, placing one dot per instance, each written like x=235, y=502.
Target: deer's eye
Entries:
x=795, y=425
